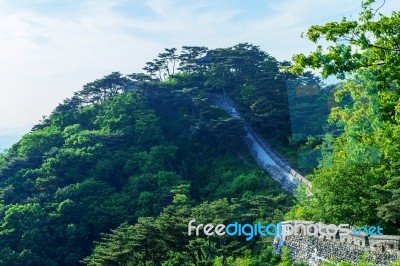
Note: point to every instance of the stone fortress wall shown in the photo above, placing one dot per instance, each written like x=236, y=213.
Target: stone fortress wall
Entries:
x=279, y=169
x=382, y=249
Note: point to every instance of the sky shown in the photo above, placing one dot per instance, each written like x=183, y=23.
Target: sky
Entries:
x=51, y=48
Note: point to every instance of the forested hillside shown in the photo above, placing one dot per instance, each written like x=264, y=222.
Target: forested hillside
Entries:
x=141, y=155
x=116, y=172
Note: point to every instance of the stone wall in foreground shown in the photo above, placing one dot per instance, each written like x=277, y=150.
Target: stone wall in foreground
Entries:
x=382, y=249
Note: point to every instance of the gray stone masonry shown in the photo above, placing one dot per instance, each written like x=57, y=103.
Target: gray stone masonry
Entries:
x=313, y=250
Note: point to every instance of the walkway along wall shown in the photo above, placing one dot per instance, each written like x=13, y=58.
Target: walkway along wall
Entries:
x=262, y=152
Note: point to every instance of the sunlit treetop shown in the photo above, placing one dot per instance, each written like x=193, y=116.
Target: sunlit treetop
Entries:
x=372, y=41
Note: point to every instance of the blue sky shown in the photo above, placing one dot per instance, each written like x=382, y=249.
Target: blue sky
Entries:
x=50, y=48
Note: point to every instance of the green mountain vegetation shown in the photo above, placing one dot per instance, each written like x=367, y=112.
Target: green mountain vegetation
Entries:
x=130, y=160
x=116, y=172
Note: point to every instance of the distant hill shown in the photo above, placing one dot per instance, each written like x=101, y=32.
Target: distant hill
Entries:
x=9, y=136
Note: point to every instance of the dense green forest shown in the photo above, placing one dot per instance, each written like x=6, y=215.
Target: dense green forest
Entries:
x=141, y=155
x=115, y=173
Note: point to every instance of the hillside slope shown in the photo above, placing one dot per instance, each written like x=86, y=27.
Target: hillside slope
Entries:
x=131, y=153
